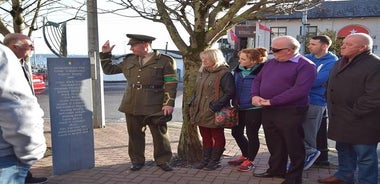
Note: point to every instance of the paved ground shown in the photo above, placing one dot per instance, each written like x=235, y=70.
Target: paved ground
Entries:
x=112, y=163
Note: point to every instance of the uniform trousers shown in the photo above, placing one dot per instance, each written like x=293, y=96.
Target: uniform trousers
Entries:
x=285, y=137
x=136, y=144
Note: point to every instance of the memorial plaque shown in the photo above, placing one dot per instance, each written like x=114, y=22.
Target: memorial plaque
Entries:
x=70, y=97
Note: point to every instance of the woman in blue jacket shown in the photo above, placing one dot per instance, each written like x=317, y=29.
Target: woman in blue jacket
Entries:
x=250, y=63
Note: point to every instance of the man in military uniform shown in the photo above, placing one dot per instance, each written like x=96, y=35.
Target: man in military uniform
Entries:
x=148, y=99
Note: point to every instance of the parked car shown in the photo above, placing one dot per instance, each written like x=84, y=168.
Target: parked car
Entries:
x=38, y=83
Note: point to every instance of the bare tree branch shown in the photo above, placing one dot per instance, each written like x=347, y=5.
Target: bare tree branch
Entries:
x=28, y=15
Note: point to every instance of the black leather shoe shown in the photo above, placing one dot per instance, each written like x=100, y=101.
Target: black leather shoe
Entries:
x=29, y=179
x=34, y=180
x=165, y=167
x=267, y=175
x=136, y=167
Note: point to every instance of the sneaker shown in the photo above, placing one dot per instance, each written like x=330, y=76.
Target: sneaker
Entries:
x=310, y=159
x=288, y=166
x=237, y=161
x=34, y=180
x=246, y=166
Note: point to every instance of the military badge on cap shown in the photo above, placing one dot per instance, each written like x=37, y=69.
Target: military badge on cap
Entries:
x=137, y=38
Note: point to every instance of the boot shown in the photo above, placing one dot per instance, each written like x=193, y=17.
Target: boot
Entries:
x=215, y=159
x=206, y=158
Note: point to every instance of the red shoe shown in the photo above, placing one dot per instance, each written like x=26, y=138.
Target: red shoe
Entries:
x=246, y=166
x=237, y=161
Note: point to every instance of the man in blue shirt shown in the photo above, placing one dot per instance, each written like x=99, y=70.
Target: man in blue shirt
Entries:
x=324, y=61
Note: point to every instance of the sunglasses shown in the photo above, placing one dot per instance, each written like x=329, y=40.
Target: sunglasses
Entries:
x=274, y=50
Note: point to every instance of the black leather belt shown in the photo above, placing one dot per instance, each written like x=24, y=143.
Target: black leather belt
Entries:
x=141, y=86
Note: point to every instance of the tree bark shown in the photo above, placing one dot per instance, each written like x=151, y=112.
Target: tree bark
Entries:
x=189, y=147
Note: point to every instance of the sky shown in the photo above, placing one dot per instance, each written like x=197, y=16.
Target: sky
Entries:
x=110, y=27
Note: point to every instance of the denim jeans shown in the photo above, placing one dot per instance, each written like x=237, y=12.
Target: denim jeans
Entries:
x=12, y=171
x=311, y=126
x=363, y=156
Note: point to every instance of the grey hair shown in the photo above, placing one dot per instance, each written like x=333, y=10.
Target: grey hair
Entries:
x=291, y=41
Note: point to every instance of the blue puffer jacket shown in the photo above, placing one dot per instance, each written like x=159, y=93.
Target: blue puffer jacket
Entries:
x=324, y=65
x=243, y=86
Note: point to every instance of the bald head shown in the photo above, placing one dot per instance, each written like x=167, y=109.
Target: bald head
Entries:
x=356, y=44
x=284, y=47
x=289, y=42
x=14, y=38
x=362, y=39
x=20, y=44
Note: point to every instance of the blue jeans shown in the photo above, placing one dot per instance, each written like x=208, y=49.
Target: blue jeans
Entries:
x=363, y=156
x=311, y=126
x=12, y=171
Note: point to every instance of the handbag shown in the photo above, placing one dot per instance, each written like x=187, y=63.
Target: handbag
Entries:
x=228, y=116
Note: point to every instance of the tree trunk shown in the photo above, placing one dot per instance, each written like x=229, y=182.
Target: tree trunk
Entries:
x=189, y=147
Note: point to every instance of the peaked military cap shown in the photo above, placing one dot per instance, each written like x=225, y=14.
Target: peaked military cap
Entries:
x=137, y=38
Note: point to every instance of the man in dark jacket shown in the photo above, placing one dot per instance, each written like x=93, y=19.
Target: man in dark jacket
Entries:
x=148, y=99
x=353, y=102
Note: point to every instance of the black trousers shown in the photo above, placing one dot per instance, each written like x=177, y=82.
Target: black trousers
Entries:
x=285, y=137
x=249, y=144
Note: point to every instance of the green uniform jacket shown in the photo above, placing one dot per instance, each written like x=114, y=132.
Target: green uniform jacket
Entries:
x=157, y=77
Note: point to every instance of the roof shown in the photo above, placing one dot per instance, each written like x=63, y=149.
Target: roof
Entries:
x=338, y=9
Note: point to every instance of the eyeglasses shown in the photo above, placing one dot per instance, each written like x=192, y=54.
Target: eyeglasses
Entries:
x=274, y=50
x=30, y=46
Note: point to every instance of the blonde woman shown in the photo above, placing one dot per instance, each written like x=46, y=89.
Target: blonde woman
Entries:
x=204, y=105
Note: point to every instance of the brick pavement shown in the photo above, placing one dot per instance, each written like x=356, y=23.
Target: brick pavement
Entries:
x=112, y=163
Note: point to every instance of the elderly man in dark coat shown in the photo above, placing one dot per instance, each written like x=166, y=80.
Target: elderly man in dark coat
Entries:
x=353, y=96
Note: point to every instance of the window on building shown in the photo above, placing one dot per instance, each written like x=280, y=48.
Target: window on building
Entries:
x=278, y=31
x=312, y=31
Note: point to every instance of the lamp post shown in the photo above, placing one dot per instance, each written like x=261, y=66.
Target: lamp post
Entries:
x=304, y=26
x=303, y=31
x=35, y=51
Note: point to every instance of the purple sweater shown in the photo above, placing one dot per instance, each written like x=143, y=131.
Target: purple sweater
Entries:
x=285, y=84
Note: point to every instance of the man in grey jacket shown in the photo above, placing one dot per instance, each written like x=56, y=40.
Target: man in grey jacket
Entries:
x=22, y=141
x=23, y=47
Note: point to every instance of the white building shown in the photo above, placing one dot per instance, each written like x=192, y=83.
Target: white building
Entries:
x=344, y=17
